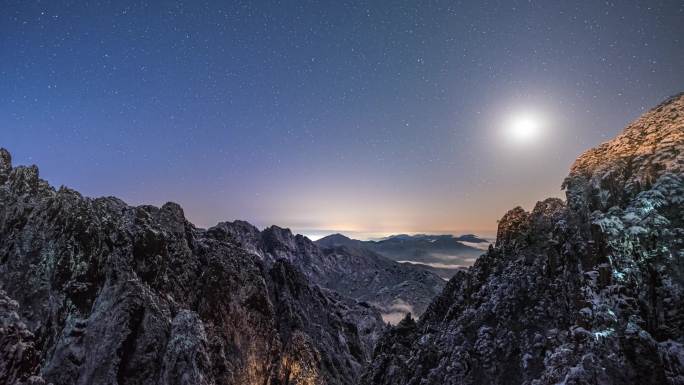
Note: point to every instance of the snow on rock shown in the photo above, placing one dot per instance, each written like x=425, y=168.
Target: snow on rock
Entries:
x=591, y=292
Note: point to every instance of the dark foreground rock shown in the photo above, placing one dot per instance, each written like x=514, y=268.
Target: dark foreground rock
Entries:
x=585, y=292
x=93, y=291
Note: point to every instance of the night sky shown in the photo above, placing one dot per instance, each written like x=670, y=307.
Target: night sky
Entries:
x=363, y=117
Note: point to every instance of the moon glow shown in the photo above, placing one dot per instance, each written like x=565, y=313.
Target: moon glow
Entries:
x=523, y=128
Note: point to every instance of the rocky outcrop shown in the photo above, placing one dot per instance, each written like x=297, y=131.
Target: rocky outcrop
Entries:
x=395, y=289
x=588, y=292
x=18, y=356
x=94, y=291
x=614, y=173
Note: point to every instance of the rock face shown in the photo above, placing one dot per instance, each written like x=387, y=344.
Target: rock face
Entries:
x=396, y=289
x=93, y=291
x=588, y=292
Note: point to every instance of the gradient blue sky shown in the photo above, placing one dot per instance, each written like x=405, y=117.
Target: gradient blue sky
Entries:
x=365, y=117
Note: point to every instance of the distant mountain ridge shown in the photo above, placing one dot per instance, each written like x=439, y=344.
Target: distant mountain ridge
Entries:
x=461, y=238
x=442, y=254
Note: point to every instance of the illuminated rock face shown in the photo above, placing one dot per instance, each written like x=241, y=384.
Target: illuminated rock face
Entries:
x=591, y=292
x=93, y=291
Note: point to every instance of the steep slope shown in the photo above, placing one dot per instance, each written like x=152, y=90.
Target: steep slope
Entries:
x=394, y=288
x=93, y=291
x=591, y=292
x=445, y=272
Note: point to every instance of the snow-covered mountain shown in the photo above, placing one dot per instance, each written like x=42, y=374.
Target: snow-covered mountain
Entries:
x=94, y=291
x=588, y=291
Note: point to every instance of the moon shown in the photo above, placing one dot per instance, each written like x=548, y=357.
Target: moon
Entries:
x=523, y=128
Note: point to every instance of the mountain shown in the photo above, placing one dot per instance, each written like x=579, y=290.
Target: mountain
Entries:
x=431, y=238
x=584, y=291
x=438, y=251
x=396, y=289
x=337, y=240
x=93, y=291
x=587, y=291
x=471, y=238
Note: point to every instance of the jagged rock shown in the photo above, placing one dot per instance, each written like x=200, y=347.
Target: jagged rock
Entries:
x=394, y=288
x=513, y=228
x=99, y=292
x=616, y=171
x=18, y=356
x=5, y=164
x=186, y=360
x=588, y=293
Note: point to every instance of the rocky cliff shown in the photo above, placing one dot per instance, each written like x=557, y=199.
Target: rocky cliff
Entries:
x=588, y=291
x=93, y=291
x=395, y=289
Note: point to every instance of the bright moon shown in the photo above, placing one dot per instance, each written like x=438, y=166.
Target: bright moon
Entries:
x=523, y=128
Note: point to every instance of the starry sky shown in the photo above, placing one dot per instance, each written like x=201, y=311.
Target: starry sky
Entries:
x=365, y=117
